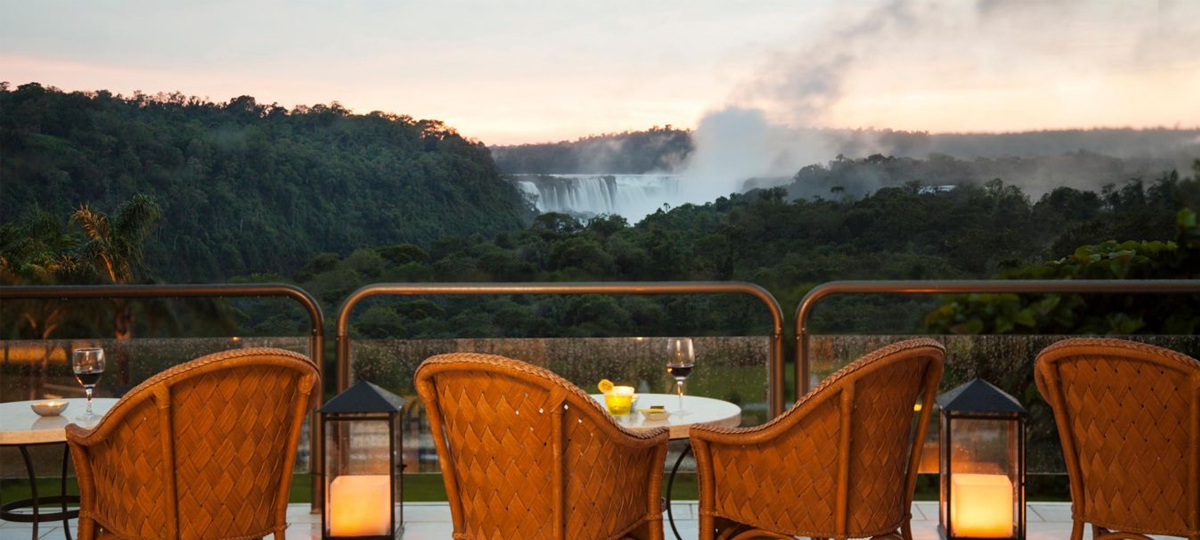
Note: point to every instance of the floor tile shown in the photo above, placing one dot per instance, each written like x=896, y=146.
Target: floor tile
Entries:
x=925, y=511
x=431, y=521
x=1052, y=512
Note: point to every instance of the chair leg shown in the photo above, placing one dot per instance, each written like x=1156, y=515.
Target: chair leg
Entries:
x=86, y=530
x=708, y=528
x=1077, y=530
x=906, y=529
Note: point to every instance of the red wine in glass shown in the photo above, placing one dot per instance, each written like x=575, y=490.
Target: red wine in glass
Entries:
x=681, y=361
x=88, y=366
x=89, y=379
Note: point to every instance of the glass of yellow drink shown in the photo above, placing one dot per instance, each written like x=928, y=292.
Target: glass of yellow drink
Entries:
x=619, y=400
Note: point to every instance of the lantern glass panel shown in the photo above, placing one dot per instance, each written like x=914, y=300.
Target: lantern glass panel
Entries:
x=981, y=494
x=361, y=496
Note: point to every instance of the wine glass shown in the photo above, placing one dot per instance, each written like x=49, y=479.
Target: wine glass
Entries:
x=88, y=365
x=681, y=360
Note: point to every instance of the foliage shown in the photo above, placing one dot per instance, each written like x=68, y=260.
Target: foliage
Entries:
x=1081, y=170
x=659, y=149
x=1091, y=314
x=247, y=187
x=786, y=246
x=93, y=248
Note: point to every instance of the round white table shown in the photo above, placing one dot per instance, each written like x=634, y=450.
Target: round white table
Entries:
x=22, y=428
x=700, y=410
x=20, y=425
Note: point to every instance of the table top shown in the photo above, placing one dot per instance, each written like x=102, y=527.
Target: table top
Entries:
x=700, y=410
x=20, y=425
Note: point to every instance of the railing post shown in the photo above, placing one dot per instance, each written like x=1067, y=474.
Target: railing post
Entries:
x=220, y=290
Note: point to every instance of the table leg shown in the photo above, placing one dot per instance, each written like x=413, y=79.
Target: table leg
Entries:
x=10, y=511
x=671, y=484
x=32, y=487
x=62, y=491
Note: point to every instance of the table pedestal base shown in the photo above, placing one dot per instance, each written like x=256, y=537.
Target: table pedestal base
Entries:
x=671, y=484
x=35, y=516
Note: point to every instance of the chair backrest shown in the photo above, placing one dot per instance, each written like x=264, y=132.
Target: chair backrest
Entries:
x=526, y=454
x=203, y=450
x=842, y=461
x=1128, y=418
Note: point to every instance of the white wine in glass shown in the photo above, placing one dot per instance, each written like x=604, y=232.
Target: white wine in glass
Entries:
x=681, y=361
x=88, y=365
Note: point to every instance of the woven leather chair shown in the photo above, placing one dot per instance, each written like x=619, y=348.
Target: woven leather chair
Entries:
x=525, y=454
x=1128, y=417
x=840, y=463
x=203, y=450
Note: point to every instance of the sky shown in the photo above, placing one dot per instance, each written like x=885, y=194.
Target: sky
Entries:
x=509, y=72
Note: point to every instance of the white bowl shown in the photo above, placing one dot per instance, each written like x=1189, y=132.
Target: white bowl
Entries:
x=655, y=415
x=49, y=407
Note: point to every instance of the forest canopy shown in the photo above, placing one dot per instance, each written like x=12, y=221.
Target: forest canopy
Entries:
x=332, y=200
x=247, y=187
x=658, y=149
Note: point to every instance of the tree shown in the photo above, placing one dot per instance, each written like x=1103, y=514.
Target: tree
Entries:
x=114, y=250
x=114, y=247
x=1104, y=314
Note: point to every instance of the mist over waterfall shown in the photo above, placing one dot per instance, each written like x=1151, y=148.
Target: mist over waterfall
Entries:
x=632, y=196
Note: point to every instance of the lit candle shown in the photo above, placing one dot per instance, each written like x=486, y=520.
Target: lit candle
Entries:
x=360, y=505
x=981, y=505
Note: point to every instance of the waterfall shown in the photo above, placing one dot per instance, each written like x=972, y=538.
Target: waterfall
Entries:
x=632, y=196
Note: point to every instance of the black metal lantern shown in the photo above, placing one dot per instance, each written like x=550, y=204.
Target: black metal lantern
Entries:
x=362, y=464
x=982, y=463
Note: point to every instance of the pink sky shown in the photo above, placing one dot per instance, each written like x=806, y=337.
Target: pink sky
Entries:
x=530, y=71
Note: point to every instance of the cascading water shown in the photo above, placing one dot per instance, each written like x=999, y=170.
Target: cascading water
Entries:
x=632, y=196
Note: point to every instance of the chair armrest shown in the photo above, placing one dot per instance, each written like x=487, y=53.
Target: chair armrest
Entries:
x=82, y=436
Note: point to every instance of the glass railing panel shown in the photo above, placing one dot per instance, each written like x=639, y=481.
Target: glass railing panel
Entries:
x=1004, y=360
x=31, y=369
x=733, y=369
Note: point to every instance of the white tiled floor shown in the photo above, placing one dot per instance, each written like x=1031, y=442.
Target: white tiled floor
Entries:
x=431, y=521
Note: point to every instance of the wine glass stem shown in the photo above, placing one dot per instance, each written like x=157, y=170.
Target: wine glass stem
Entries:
x=679, y=390
x=88, y=390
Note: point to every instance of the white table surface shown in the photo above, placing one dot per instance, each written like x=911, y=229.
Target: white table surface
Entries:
x=701, y=410
x=20, y=425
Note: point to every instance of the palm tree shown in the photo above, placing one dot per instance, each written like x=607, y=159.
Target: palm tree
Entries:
x=37, y=250
x=114, y=247
x=113, y=250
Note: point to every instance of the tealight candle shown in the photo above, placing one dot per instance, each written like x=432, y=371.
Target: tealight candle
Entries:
x=51, y=407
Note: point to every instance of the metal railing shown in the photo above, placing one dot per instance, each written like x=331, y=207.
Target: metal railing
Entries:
x=1043, y=286
x=775, y=376
x=316, y=317
x=776, y=386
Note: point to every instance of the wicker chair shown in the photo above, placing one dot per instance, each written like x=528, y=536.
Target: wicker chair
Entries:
x=203, y=450
x=525, y=454
x=840, y=463
x=1128, y=417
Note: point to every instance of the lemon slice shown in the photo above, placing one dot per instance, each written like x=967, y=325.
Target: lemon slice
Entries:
x=606, y=386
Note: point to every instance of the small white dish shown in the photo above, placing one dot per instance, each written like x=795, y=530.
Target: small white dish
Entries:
x=49, y=407
x=655, y=415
